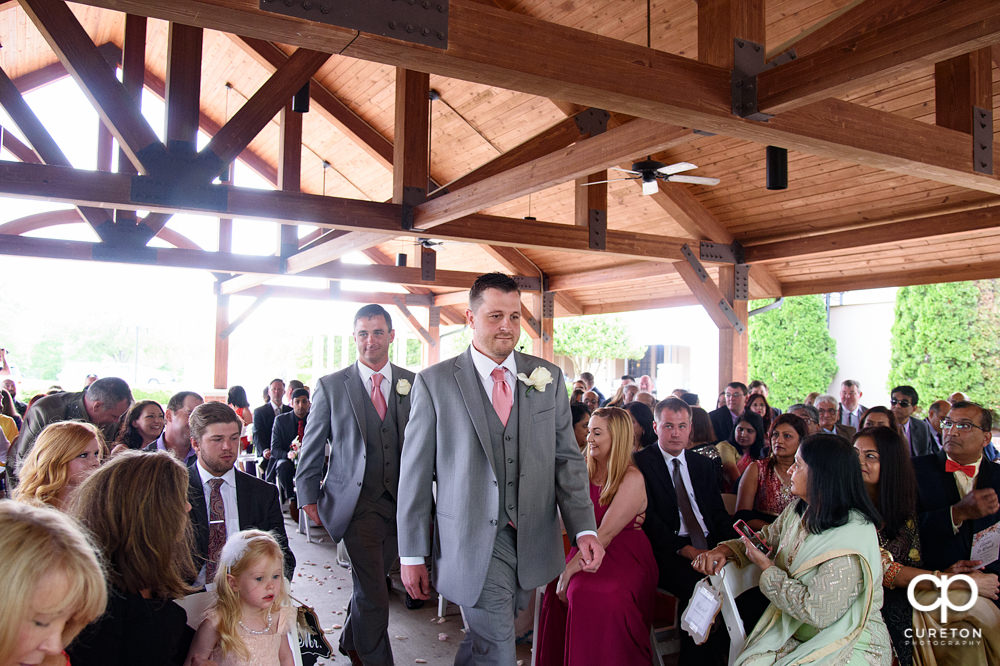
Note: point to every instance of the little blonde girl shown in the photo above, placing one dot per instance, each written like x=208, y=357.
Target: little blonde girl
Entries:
x=249, y=622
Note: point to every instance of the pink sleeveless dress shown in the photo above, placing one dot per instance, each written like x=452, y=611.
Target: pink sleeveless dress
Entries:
x=263, y=647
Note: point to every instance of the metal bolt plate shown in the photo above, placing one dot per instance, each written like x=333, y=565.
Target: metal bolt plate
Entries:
x=598, y=224
x=416, y=21
x=982, y=140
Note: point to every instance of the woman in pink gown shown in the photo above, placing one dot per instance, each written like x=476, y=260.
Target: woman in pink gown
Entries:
x=604, y=617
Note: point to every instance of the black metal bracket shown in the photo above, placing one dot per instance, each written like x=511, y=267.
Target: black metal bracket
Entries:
x=416, y=21
x=428, y=264
x=721, y=253
x=433, y=316
x=727, y=310
x=597, y=222
x=592, y=121
x=525, y=283
x=695, y=264
x=982, y=140
x=412, y=196
x=741, y=288
x=549, y=305
x=748, y=62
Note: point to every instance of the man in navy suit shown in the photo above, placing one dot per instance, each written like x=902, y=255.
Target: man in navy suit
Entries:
x=263, y=421
x=724, y=418
x=287, y=428
x=957, y=488
x=223, y=499
x=685, y=514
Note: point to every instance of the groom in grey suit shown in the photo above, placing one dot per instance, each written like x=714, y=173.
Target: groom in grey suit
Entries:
x=492, y=426
x=362, y=411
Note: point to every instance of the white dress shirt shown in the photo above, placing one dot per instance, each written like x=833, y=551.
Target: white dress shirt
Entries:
x=228, y=491
x=367, y=374
x=669, y=459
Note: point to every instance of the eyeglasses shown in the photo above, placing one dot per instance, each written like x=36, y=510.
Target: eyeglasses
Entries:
x=902, y=403
x=964, y=426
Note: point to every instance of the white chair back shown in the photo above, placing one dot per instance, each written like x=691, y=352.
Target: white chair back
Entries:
x=733, y=581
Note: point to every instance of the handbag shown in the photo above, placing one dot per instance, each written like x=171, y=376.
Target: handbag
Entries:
x=312, y=641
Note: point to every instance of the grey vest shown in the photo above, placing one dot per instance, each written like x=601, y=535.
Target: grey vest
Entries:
x=381, y=452
x=505, y=444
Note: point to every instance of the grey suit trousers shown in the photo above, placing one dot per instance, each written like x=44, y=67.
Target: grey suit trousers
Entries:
x=371, y=542
x=490, y=639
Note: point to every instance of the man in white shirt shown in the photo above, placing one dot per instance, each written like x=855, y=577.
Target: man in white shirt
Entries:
x=223, y=499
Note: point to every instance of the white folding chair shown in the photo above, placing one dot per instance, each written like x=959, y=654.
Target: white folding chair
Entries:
x=733, y=581
x=539, y=593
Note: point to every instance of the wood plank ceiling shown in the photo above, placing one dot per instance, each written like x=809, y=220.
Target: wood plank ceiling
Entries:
x=473, y=123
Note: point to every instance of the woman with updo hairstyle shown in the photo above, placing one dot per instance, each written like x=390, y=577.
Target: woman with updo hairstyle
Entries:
x=53, y=584
x=64, y=454
x=136, y=509
x=642, y=424
x=141, y=425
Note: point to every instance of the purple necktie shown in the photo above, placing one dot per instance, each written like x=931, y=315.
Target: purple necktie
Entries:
x=216, y=528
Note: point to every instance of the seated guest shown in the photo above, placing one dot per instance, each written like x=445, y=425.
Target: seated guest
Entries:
x=878, y=417
x=8, y=426
x=141, y=426
x=827, y=407
x=850, y=409
x=574, y=622
x=176, y=435
x=223, y=499
x=935, y=412
x=916, y=432
x=10, y=386
x=8, y=409
x=766, y=487
x=888, y=477
x=642, y=424
x=809, y=414
x=53, y=586
x=263, y=420
x=686, y=514
x=617, y=398
x=823, y=582
x=576, y=396
x=629, y=393
x=581, y=416
x=703, y=442
x=646, y=384
x=136, y=509
x=646, y=398
x=690, y=398
x=811, y=398
x=286, y=438
x=63, y=456
x=724, y=418
x=591, y=400
x=237, y=399
x=757, y=403
x=757, y=387
x=745, y=445
x=588, y=382
x=956, y=491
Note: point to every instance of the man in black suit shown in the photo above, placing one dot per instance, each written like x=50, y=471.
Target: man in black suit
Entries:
x=287, y=428
x=263, y=421
x=223, y=499
x=957, y=488
x=903, y=402
x=724, y=418
x=685, y=514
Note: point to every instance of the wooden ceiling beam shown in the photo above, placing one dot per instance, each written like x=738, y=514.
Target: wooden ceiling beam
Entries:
x=946, y=272
x=452, y=315
x=18, y=148
x=55, y=218
x=324, y=253
x=343, y=295
x=960, y=84
x=641, y=304
x=639, y=270
x=96, y=78
x=513, y=51
x=415, y=324
x=909, y=43
x=74, y=186
x=183, y=84
x=879, y=234
x=707, y=292
x=339, y=114
x=584, y=157
x=133, y=61
x=516, y=262
x=42, y=142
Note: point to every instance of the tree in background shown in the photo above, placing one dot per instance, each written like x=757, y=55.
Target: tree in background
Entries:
x=589, y=340
x=791, y=349
x=945, y=339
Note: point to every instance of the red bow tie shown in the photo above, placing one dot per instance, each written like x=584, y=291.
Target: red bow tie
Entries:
x=952, y=466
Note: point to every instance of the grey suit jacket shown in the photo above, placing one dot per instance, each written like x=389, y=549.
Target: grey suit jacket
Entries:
x=337, y=416
x=448, y=439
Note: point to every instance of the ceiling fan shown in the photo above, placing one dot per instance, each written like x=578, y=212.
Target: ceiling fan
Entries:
x=649, y=171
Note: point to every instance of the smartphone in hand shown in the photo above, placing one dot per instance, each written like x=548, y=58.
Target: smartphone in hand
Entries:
x=745, y=530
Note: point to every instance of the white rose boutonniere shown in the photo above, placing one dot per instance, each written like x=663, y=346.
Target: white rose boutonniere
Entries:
x=403, y=387
x=538, y=379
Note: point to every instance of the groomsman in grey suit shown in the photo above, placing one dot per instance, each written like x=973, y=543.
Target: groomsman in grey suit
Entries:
x=362, y=411
x=492, y=426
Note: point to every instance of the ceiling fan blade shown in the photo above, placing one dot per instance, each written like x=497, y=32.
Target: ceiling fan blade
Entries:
x=624, y=170
x=671, y=169
x=598, y=182
x=697, y=180
x=650, y=187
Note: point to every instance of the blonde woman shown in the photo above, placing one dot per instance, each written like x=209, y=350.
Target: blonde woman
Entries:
x=53, y=585
x=604, y=617
x=136, y=508
x=64, y=454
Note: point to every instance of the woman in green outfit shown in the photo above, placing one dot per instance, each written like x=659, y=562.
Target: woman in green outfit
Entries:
x=824, y=581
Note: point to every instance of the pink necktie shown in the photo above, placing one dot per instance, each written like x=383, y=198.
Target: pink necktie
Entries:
x=377, y=398
x=502, y=399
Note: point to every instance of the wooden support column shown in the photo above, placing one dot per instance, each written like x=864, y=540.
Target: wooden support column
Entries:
x=963, y=89
x=105, y=146
x=410, y=148
x=290, y=171
x=133, y=73
x=183, y=88
x=545, y=349
x=592, y=206
x=221, y=341
x=733, y=346
x=721, y=21
x=433, y=354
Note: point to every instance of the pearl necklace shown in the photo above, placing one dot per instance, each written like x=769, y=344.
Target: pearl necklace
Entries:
x=263, y=631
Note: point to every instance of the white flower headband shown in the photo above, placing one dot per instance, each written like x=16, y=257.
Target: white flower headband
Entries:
x=236, y=546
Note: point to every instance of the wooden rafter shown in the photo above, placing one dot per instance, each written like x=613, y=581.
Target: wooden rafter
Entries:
x=18, y=148
x=513, y=260
x=952, y=272
x=54, y=218
x=639, y=270
x=305, y=293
